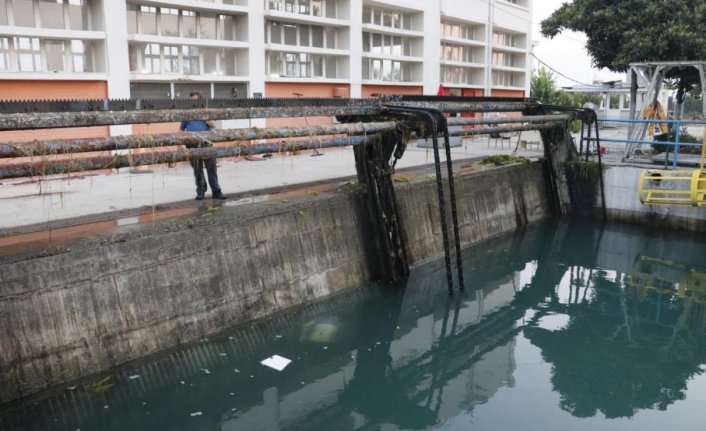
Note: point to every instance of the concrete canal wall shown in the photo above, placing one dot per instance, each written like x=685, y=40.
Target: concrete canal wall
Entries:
x=623, y=203
x=103, y=303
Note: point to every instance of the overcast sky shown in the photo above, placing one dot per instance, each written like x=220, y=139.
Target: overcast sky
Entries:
x=566, y=52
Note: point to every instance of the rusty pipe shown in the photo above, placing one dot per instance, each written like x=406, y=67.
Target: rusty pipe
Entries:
x=49, y=120
x=116, y=161
x=504, y=129
x=67, y=146
x=508, y=120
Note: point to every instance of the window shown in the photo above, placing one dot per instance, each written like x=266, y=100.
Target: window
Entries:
x=151, y=62
x=28, y=54
x=149, y=20
x=51, y=14
x=77, y=15
x=80, y=56
x=207, y=25
x=3, y=12
x=23, y=13
x=290, y=34
x=171, y=59
x=385, y=70
x=169, y=20
x=150, y=90
x=317, y=36
x=188, y=24
x=190, y=60
x=379, y=44
x=55, y=55
x=5, y=54
x=227, y=27
x=275, y=32
x=131, y=19
x=210, y=61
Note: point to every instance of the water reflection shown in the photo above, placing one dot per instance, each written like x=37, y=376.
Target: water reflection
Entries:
x=617, y=314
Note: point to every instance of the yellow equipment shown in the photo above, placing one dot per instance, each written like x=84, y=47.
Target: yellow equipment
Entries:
x=678, y=188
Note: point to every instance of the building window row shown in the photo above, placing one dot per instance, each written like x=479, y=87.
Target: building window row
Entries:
x=162, y=21
x=385, y=44
x=178, y=90
x=50, y=14
x=300, y=65
x=508, y=59
x=512, y=40
x=303, y=35
x=462, y=75
x=31, y=54
x=388, y=18
x=319, y=8
x=508, y=79
x=474, y=32
x=154, y=58
x=389, y=70
x=462, y=53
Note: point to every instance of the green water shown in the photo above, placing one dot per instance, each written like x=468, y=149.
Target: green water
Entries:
x=564, y=326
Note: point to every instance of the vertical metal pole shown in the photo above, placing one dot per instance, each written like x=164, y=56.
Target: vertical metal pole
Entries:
x=600, y=169
x=677, y=134
x=583, y=124
x=454, y=212
x=588, y=140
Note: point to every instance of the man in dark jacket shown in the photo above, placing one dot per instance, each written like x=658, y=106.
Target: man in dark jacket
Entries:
x=199, y=163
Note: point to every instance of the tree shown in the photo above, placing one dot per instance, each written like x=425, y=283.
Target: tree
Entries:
x=621, y=32
x=543, y=88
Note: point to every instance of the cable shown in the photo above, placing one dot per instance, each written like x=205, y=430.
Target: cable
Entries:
x=561, y=74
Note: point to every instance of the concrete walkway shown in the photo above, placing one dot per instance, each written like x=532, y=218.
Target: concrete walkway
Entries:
x=30, y=201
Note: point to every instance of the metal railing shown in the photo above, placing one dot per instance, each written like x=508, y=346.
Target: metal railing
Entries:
x=671, y=144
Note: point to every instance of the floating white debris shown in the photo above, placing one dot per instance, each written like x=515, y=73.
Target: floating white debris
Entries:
x=278, y=336
x=134, y=376
x=277, y=362
x=196, y=414
x=236, y=370
x=105, y=406
x=206, y=370
x=325, y=347
x=231, y=338
x=232, y=393
x=144, y=403
x=182, y=382
x=71, y=388
x=223, y=354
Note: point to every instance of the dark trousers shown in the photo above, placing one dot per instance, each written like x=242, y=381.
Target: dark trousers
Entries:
x=211, y=170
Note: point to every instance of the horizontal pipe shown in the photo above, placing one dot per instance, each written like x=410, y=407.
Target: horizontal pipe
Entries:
x=54, y=167
x=507, y=120
x=29, y=121
x=460, y=107
x=503, y=129
x=67, y=146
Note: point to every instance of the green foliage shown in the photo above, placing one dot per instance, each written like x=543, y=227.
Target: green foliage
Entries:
x=503, y=159
x=543, y=88
x=621, y=32
x=670, y=136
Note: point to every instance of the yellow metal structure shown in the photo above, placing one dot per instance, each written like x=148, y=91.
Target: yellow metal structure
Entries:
x=679, y=188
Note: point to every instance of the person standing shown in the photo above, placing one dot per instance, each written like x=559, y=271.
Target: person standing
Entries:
x=198, y=163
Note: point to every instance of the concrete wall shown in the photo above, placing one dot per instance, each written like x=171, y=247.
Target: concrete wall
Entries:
x=623, y=204
x=75, y=314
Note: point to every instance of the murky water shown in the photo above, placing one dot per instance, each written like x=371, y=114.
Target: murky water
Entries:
x=564, y=326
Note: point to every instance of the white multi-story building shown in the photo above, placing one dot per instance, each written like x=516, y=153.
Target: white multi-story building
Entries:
x=270, y=48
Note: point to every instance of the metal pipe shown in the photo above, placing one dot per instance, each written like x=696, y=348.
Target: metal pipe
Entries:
x=504, y=129
x=471, y=106
x=53, y=167
x=508, y=120
x=28, y=121
x=38, y=148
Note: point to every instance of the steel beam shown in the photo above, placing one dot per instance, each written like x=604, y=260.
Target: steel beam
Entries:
x=504, y=129
x=508, y=120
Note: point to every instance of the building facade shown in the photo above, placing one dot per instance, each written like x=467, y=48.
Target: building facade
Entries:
x=270, y=48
